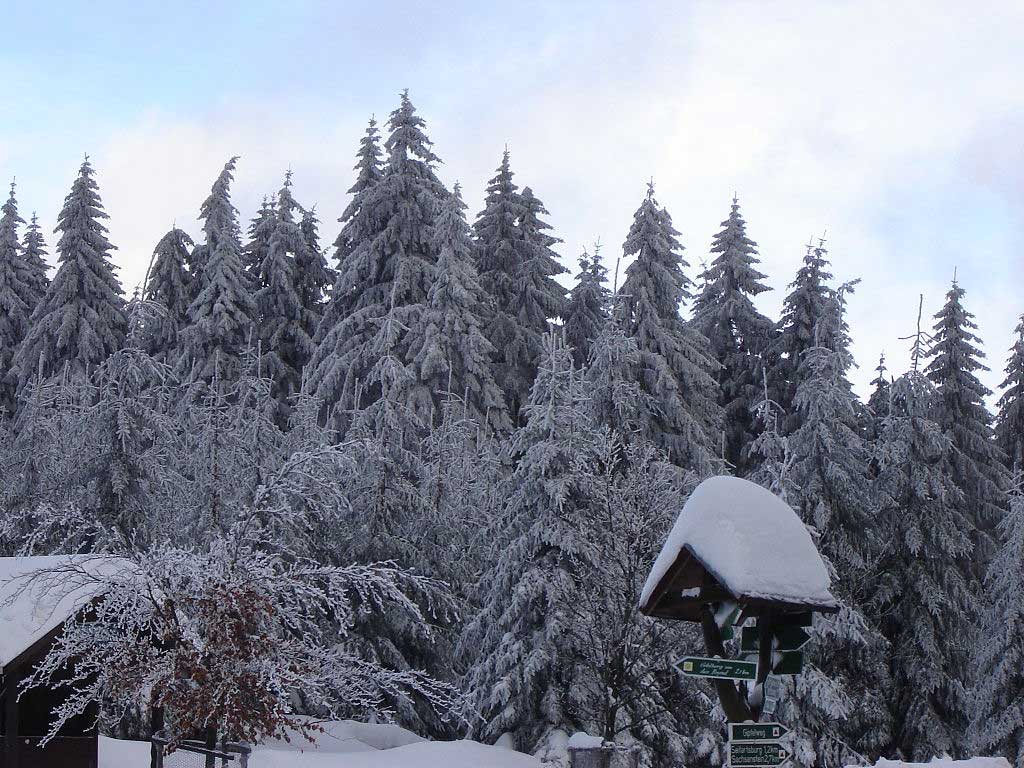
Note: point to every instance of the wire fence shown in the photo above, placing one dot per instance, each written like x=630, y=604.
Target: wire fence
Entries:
x=195, y=754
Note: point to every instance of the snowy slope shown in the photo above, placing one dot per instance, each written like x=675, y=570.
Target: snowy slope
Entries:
x=945, y=762
x=347, y=745
x=750, y=540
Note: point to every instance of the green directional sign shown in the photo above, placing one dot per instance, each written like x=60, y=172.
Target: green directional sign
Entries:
x=756, y=731
x=727, y=669
x=788, y=637
x=757, y=754
x=792, y=663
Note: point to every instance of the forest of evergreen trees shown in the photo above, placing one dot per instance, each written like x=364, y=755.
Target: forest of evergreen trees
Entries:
x=508, y=455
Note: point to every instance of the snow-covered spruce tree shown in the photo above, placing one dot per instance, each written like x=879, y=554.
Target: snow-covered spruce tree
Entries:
x=520, y=644
x=614, y=396
x=285, y=322
x=387, y=279
x=450, y=356
x=676, y=368
x=739, y=335
x=1010, y=420
x=220, y=223
x=313, y=277
x=878, y=401
x=388, y=523
x=221, y=317
x=806, y=304
x=33, y=248
x=358, y=228
x=168, y=287
x=976, y=464
x=81, y=320
x=998, y=712
x=261, y=228
x=517, y=269
x=838, y=704
x=541, y=297
x=368, y=173
x=625, y=689
x=925, y=606
x=16, y=296
x=587, y=310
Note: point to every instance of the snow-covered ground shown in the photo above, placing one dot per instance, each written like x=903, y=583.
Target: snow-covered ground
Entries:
x=946, y=762
x=348, y=745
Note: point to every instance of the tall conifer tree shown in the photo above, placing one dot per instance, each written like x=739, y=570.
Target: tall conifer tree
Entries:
x=33, y=247
x=313, y=278
x=1010, y=421
x=384, y=283
x=925, y=603
x=81, y=321
x=805, y=305
x=588, y=306
x=16, y=297
x=675, y=367
x=521, y=643
x=221, y=317
x=369, y=172
x=838, y=705
x=261, y=228
x=738, y=333
x=517, y=269
x=168, y=285
x=878, y=402
x=451, y=357
x=976, y=463
x=285, y=322
x=999, y=698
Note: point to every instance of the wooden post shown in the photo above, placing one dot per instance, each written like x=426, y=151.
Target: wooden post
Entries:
x=156, y=726
x=764, y=657
x=735, y=708
x=211, y=744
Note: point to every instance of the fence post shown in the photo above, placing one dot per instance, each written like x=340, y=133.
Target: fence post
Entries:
x=156, y=725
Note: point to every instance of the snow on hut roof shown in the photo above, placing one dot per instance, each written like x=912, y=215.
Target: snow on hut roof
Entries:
x=750, y=541
x=38, y=594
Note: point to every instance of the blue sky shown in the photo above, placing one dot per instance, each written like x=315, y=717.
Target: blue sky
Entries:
x=895, y=126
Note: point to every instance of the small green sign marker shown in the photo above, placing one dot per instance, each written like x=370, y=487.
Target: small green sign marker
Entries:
x=757, y=754
x=788, y=637
x=792, y=663
x=756, y=731
x=726, y=669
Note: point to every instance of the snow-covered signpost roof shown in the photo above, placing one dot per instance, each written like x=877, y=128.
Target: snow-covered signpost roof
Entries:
x=737, y=542
x=738, y=556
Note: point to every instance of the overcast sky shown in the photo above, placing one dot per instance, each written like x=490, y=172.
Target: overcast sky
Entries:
x=895, y=126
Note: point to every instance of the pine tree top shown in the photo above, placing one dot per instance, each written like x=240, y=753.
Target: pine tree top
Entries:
x=219, y=215
x=368, y=165
x=732, y=270
x=168, y=280
x=1010, y=422
x=408, y=142
x=656, y=277
x=81, y=320
x=497, y=222
x=954, y=360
